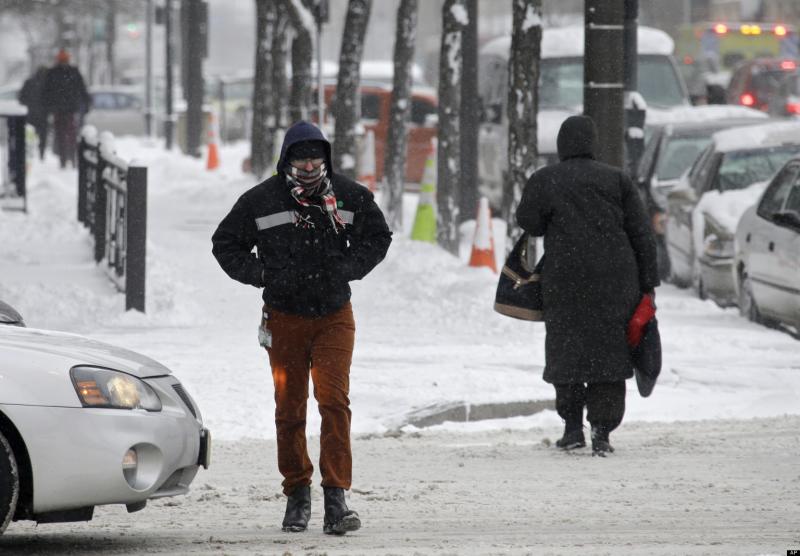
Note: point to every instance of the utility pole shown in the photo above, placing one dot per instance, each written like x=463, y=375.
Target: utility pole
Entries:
x=470, y=108
x=194, y=50
x=111, y=38
x=634, y=104
x=169, y=121
x=603, y=76
x=148, y=81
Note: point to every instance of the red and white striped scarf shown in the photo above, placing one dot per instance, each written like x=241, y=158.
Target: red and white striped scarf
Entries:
x=314, y=189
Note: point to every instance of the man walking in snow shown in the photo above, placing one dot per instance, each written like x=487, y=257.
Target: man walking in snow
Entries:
x=314, y=231
x=601, y=259
x=64, y=94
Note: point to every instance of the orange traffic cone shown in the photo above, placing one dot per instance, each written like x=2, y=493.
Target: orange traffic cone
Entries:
x=213, y=150
x=366, y=167
x=483, y=244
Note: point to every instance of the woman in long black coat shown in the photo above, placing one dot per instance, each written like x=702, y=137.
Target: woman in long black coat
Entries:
x=601, y=258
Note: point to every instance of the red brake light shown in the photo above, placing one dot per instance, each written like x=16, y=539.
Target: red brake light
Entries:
x=720, y=28
x=793, y=107
x=788, y=65
x=780, y=30
x=747, y=99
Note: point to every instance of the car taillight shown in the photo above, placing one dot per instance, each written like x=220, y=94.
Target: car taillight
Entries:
x=793, y=107
x=788, y=65
x=747, y=99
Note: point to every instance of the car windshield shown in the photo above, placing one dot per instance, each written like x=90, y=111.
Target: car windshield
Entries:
x=740, y=169
x=561, y=82
x=678, y=154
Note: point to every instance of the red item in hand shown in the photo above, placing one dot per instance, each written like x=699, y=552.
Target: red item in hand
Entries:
x=644, y=312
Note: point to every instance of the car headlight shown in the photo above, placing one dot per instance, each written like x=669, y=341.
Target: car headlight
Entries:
x=98, y=387
x=717, y=241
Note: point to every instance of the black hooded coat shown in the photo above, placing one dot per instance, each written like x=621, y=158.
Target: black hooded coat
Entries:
x=304, y=269
x=601, y=256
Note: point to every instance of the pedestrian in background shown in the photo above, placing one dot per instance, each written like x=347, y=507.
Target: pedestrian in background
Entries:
x=65, y=96
x=314, y=231
x=601, y=259
x=31, y=96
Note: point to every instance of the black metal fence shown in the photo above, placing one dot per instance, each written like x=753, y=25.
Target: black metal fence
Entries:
x=13, y=193
x=112, y=203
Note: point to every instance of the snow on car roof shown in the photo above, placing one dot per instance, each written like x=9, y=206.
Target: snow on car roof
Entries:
x=768, y=135
x=567, y=42
x=705, y=113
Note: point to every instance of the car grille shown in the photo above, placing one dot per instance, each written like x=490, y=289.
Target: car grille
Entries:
x=185, y=397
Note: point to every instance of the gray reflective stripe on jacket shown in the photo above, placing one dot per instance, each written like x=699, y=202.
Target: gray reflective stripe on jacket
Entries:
x=277, y=219
x=288, y=217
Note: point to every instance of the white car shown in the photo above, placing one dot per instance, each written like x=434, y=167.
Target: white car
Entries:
x=767, y=259
x=83, y=423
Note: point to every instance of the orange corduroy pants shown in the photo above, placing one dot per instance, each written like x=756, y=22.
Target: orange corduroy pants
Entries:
x=323, y=348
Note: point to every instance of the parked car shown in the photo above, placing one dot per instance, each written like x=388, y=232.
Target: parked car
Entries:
x=767, y=258
x=754, y=82
x=561, y=93
x=118, y=109
x=83, y=423
x=785, y=103
x=671, y=149
x=705, y=207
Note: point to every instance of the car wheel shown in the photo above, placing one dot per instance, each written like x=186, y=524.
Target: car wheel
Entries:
x=747, y=305
x=9, y=483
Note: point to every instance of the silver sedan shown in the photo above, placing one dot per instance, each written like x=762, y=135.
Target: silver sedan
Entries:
x=768, y=252
x=83, y=423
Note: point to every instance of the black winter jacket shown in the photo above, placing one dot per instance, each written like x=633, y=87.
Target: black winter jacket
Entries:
x=64, y=90
x=304, y=271
x=601, y=256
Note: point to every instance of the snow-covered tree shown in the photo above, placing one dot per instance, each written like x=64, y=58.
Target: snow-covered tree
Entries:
x=522, y=107
x=346, y=109
x=280, y=54
x=395, y=159
x=261, y=145
x=302, y=52
x=454, y=17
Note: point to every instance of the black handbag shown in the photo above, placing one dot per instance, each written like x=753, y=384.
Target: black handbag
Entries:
x=646, y=358
x=519, y=289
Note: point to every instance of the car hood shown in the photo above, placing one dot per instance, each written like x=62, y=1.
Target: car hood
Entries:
x=78, y=350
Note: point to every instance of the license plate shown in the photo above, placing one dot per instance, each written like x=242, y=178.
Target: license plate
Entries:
x=204, y=458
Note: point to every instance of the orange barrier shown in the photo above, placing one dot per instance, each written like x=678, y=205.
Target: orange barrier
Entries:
x=212, y=162
x=483, y=244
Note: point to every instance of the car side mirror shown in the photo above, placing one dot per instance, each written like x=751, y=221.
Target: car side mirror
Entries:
x=787, y=218
x=682, y=195
x=10, y=316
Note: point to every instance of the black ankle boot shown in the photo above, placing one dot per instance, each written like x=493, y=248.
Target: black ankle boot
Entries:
x=600, y=443
x=338, y=519
x=572, y=439
x=298, y=510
